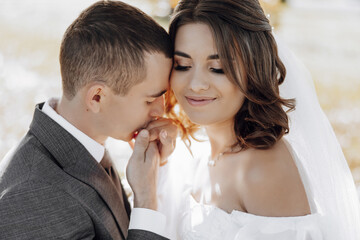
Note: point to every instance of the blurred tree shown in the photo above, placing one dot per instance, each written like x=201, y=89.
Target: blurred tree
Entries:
x=273, y=8
x=173, y=3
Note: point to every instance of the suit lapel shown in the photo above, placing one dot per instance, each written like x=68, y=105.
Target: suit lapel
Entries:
x=91, y=173
x=78, y=162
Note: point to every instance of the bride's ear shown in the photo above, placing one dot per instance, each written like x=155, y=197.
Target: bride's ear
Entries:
x=95, y=97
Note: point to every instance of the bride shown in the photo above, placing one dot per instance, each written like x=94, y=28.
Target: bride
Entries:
x=275, y=169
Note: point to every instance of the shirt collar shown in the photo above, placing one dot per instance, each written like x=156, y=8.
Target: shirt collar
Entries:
x=94, y=148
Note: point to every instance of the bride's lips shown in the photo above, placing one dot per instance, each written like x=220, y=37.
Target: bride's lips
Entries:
x=198, y=101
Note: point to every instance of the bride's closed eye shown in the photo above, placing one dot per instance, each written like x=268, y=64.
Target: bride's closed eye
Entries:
x=178, y=67
x=214, y=64
x=217, y=70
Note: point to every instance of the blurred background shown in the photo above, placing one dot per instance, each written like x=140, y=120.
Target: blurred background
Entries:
x=324, y=34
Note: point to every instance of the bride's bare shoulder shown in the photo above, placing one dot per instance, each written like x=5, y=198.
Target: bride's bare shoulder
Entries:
x=270, y=184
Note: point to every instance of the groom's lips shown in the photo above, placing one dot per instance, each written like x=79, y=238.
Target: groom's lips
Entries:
x=136, y=133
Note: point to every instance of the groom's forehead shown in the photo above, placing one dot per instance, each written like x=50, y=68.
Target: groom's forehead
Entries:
x=157, y=68
x=150, y=87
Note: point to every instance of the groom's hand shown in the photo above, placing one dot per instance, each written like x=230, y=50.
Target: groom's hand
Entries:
x=165, y=132
x=142, y=170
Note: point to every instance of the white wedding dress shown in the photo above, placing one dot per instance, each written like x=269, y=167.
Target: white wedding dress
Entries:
x=208, y=222
x=191, y=220
x=330, y=189
x=202, y=221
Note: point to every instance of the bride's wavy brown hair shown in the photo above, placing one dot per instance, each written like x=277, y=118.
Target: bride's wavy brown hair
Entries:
x=249, y=56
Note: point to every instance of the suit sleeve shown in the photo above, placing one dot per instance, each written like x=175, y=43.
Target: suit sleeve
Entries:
x=39, y=211
x=135, y=234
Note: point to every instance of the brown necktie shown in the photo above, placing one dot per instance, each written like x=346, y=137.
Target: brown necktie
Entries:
x=111, y=171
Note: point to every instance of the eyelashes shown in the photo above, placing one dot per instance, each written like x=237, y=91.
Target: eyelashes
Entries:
x=181, y=68
x=185, y=68
x=217, y=70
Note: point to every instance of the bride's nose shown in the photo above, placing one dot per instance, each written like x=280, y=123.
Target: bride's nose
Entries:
x=198, y=81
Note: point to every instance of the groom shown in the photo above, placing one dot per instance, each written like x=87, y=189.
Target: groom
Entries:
x=60, y=182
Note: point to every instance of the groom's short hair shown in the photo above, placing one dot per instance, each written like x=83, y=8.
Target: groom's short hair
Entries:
x=107, y=43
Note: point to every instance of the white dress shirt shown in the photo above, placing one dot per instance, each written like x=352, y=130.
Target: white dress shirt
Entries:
x=141, y=218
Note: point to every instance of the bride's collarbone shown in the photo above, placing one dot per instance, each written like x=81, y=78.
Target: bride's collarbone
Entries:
x=215, y=185
x=261, y=182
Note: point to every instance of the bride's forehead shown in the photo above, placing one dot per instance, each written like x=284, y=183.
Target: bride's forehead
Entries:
x=194, y=33
x=195, y=40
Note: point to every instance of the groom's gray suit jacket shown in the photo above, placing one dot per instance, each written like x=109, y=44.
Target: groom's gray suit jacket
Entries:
x=52, y=188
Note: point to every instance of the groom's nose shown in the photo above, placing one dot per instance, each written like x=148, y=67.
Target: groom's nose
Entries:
x=158, y=108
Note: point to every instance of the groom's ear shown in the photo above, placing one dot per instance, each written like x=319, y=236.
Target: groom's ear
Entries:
x=95, y=97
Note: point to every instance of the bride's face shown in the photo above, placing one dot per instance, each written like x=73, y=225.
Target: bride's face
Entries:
x=198, y=81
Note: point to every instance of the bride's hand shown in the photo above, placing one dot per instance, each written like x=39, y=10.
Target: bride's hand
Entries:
x=164, y=131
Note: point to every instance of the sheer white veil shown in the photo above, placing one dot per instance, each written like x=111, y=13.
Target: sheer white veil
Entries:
x=323, y=168
x=326, y=176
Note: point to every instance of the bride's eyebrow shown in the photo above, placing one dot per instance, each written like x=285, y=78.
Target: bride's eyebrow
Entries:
x=182, y=54
x=213, y=57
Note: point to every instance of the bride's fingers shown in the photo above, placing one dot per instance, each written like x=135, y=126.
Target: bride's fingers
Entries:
x=154, y=134
x=159, y=123
x=167, y=144
x=169, y=126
